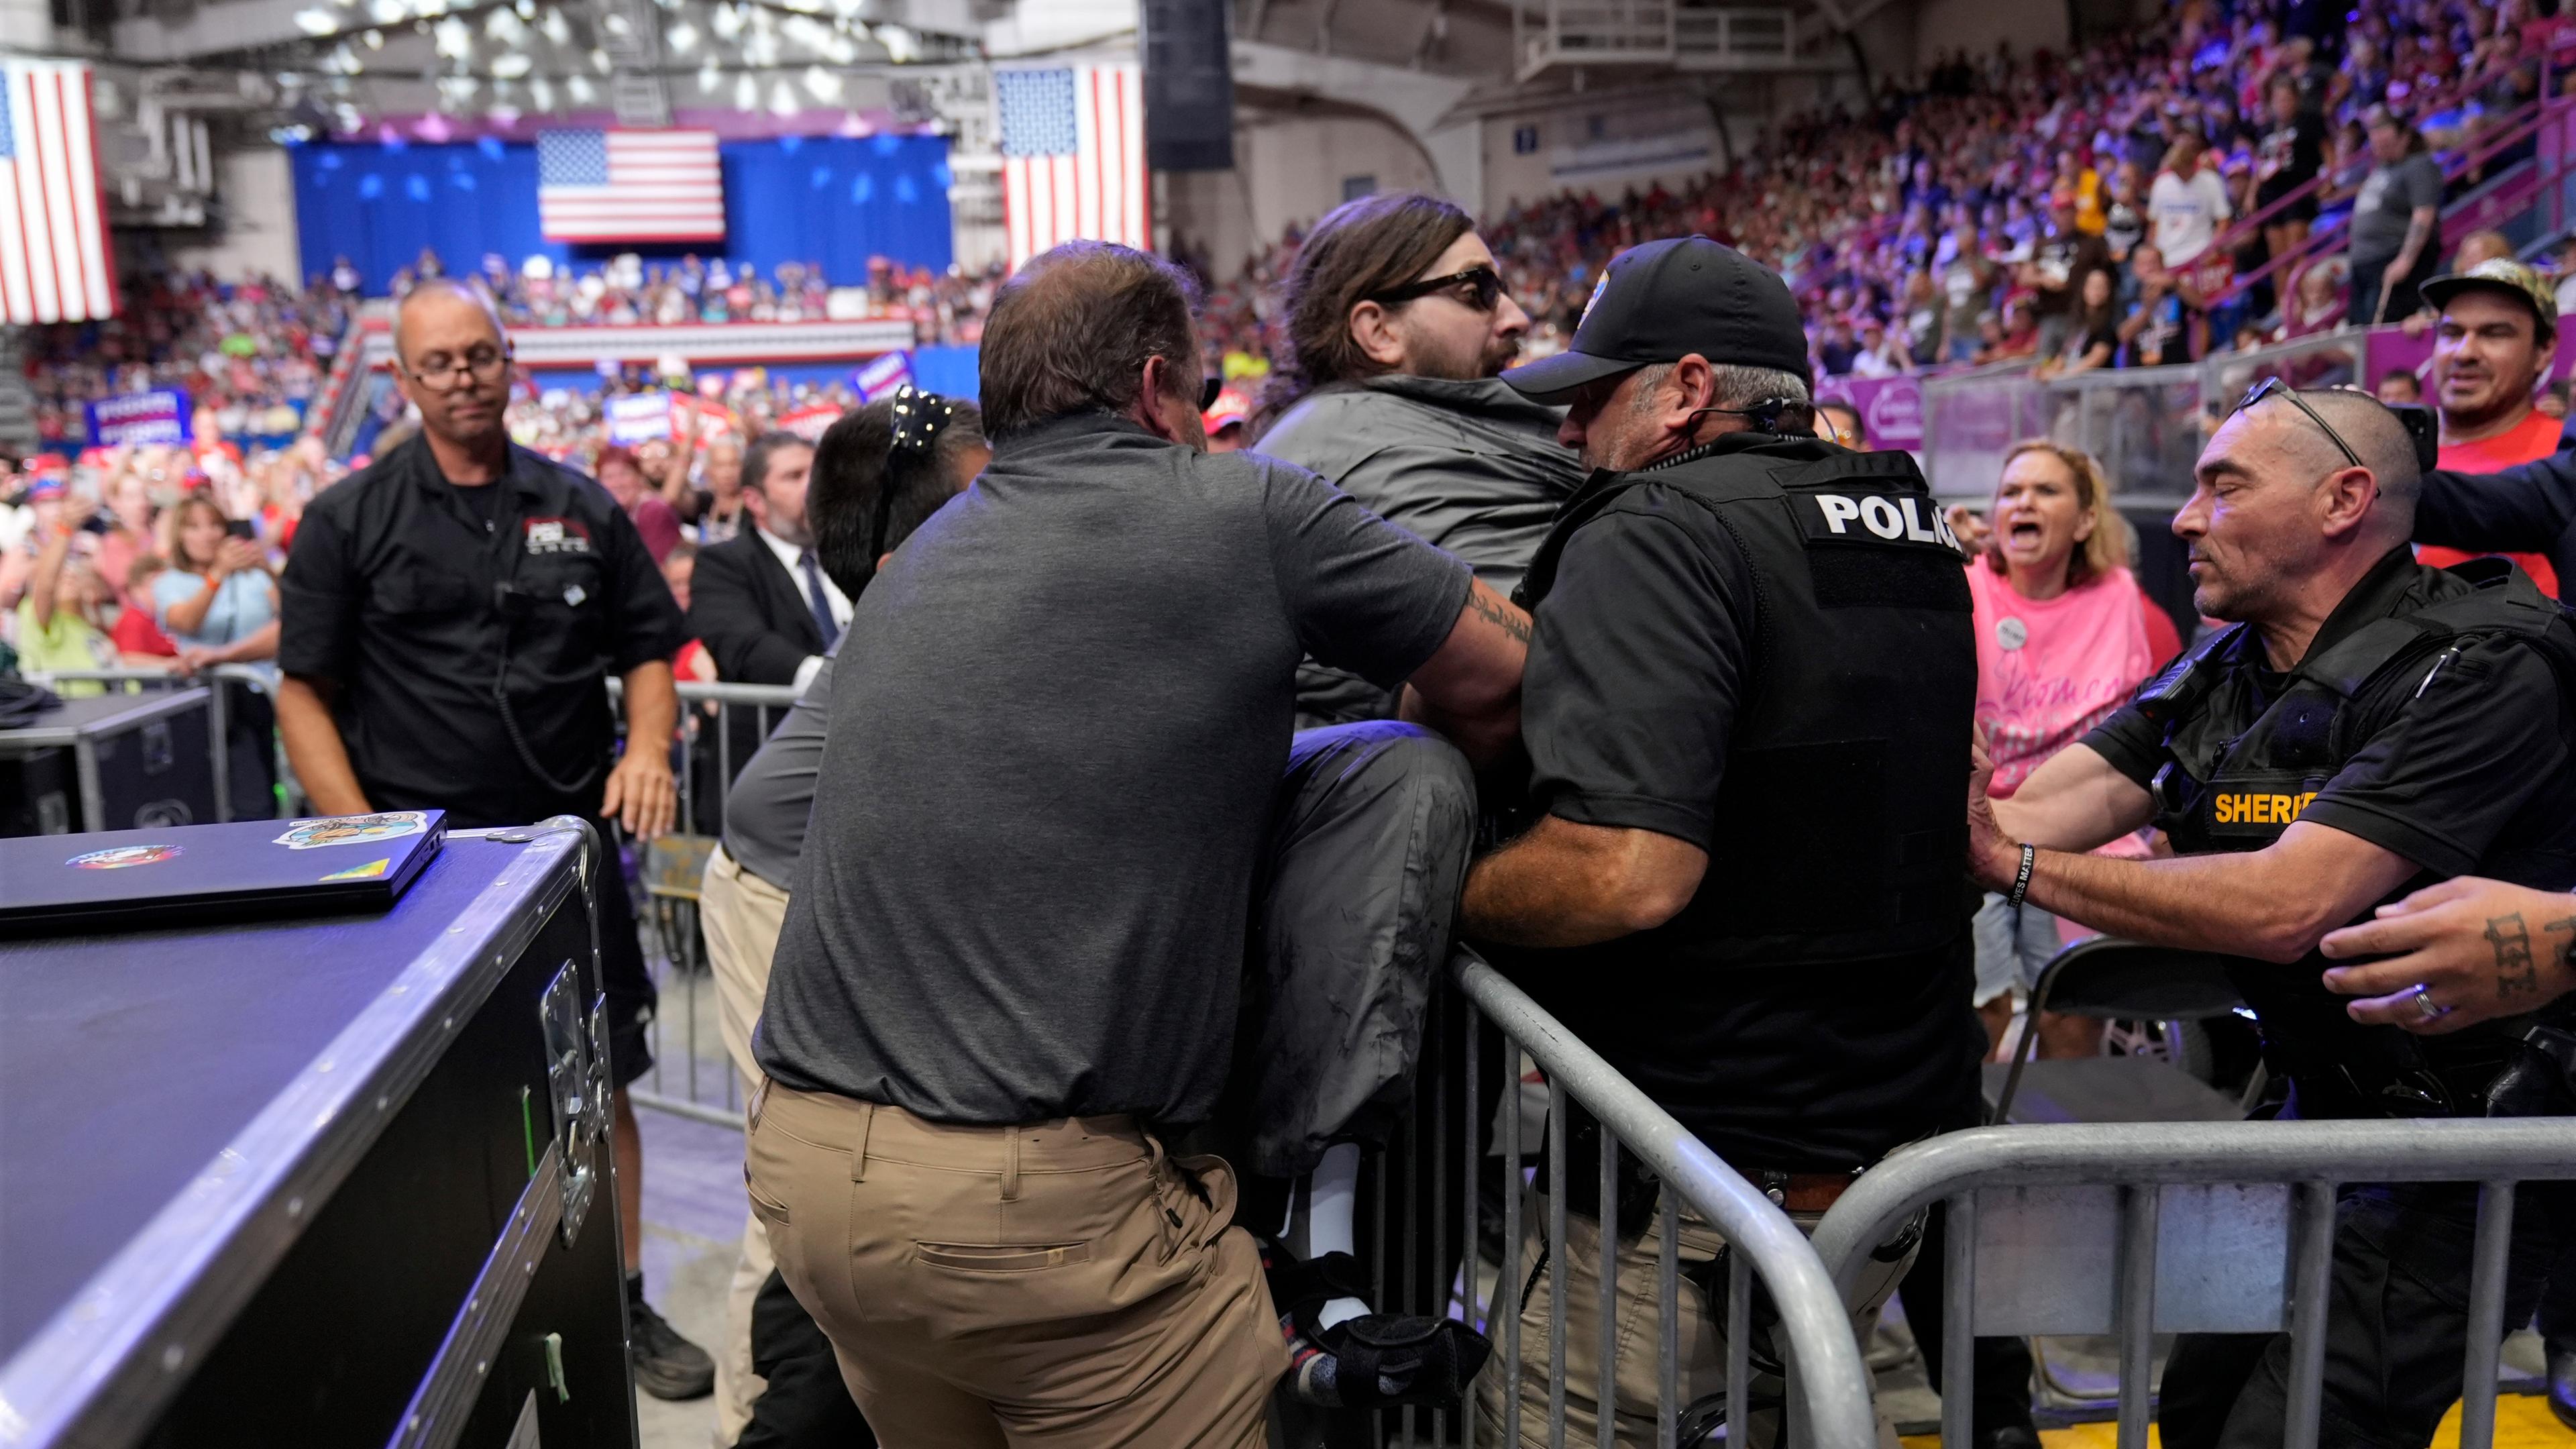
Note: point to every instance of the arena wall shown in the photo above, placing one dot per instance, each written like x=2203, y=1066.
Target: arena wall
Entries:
x=1289, y=170
x=257, y=186
x=1605, y=147
x=1946, y=25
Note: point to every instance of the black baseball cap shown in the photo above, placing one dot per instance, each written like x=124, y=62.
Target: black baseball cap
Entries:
x=1662, y=301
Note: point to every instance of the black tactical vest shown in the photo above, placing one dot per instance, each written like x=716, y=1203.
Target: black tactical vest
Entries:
x=2242, y=770
x=1841, y=831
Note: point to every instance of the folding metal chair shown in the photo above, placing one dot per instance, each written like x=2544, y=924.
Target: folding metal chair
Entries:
x=2108, y=978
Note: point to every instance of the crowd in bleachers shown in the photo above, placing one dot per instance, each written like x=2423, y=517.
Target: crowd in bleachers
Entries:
x=253, y=354
x=1953, y=221
x=944, y=307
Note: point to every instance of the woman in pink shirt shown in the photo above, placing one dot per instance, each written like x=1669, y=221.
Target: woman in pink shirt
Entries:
x=2061, y=641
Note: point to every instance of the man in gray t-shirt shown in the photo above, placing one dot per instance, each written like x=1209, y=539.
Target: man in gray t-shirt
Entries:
x=1014, y=940
x=2396, y=223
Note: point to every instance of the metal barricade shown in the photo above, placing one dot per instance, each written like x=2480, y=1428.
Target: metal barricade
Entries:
x=2146, y=425
x=2143, y=424
x=218, y=679
x=720, y=724
x=1970, y=419
x=2329, y=359
x=1830, y=1395
x=2135, y=1229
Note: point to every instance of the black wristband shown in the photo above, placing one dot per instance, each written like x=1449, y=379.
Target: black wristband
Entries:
x=2021, y=878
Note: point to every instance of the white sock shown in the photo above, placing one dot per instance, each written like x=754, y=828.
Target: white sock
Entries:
x=1332, y=1193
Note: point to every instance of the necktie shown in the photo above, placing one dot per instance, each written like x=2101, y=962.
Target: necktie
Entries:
x=820, y=601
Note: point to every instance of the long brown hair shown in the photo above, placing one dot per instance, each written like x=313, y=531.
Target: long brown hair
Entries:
x=2103, y=551
x=179, y=512
x=1359, y=249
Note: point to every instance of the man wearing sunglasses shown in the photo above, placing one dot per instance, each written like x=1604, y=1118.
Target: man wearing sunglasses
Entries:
x=2371, y=726
x=1397, y=325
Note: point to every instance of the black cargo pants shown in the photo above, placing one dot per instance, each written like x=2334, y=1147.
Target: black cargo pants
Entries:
x=2397, y=1313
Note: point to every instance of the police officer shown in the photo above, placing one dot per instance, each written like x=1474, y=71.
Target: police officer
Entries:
x=2369, y=727
x=1749, y=690
x=451, y=614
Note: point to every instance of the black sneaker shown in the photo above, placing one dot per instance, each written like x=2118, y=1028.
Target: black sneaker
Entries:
x=667, y=1366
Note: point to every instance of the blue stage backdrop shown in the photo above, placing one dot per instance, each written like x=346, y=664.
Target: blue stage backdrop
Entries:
x=836, y=200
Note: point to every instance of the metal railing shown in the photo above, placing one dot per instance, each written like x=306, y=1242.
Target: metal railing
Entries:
x=2146, y=425
x=218, y=714
x=720, y=725
x=2142, y=423
x=2144, y=1228
x=1445, y=1132
x=2541, y=122
x=2326, y=359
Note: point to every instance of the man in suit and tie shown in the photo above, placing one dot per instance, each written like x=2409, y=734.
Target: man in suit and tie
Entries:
x=761, y=602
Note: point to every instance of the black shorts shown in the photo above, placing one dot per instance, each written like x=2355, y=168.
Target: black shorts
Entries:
x=2303, y=209
x=623, y=979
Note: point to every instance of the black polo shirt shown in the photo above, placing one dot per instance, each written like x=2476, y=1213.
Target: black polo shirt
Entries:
x=417, y=602
x=2469, y=771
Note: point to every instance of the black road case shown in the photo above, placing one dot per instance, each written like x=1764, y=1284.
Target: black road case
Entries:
x=336, y=1181
x=110, y=762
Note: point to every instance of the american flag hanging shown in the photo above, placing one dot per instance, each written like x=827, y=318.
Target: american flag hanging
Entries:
x=1073, y=157
x=55, y=264
x=629, y=186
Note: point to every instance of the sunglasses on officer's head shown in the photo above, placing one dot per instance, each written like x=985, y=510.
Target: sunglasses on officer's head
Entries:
x=2421, y=430
x=1485, y=288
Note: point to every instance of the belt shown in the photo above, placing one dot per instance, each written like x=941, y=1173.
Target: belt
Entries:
x=1802, y=1192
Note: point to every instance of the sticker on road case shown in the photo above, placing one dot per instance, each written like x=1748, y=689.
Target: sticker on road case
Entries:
x=119, y=857
x=353, y=829
x=370, y=871
x=1899, y=520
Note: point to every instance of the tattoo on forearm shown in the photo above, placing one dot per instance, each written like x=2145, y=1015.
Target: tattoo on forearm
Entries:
x=2515, y=973
x=1512, y=621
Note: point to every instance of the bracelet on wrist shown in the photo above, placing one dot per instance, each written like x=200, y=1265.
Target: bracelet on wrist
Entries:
x=2021, y=878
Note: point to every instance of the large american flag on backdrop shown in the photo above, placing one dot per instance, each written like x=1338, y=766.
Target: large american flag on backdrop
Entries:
x=1073, y=157
x=626, y=186
x=55, y=265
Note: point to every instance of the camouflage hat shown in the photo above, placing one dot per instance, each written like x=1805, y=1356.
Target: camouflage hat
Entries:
x=2502, y=274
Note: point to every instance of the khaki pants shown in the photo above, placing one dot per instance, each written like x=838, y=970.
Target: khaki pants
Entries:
x=1702, y=1337
x=742, y=915
x=1060, y=1284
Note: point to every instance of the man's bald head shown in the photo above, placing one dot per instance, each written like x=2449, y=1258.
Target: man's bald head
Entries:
x=2283, y=521
x=2385, y=448
x=454, y=363
x=448, y=301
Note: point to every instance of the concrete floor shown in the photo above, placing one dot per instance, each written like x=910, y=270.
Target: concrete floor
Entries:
x=693, y=1214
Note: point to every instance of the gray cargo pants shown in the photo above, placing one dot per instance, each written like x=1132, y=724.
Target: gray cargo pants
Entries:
x=1357, y=898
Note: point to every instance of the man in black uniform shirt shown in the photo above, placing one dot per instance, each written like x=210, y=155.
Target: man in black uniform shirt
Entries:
x=2370, y=726
x=1749, y=690
x=450, y=617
